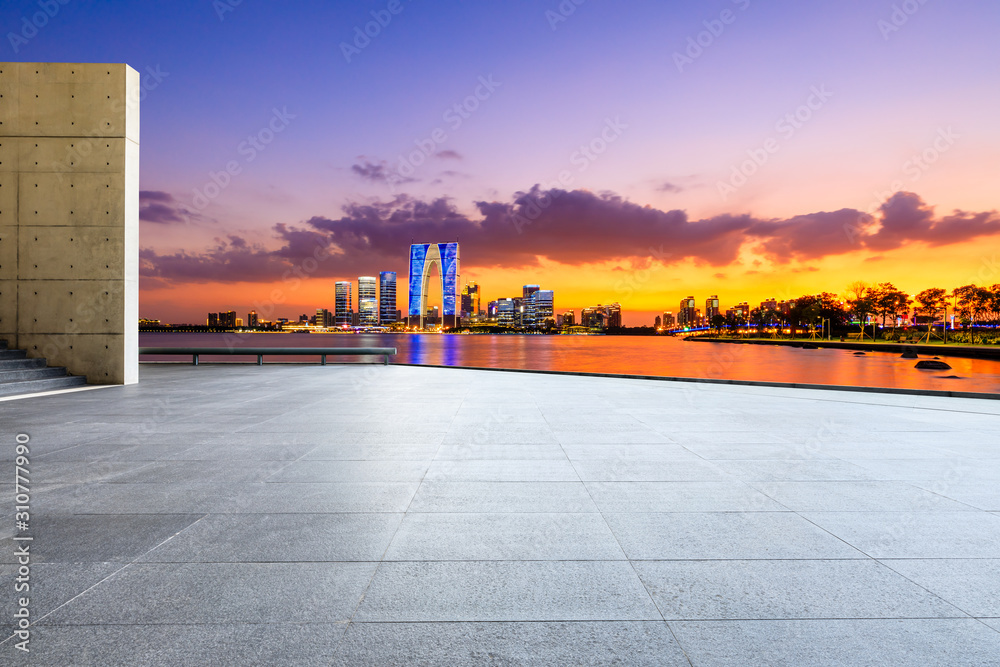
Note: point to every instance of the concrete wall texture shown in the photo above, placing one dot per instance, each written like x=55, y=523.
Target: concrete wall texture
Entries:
x=69, y=216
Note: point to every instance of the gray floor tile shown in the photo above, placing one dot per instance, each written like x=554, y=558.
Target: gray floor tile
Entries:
x=168, y=472
x=972, y=585
x=785, y=589
x=661, y=452
x=371, y=453
x=275, y=538
x=795, y=470
x=504, y=537
x=724, y=535
x=350, y=471
x=97, y=538
x=309, y=497
x=235, y=645
x=680, y=497
x=983, y=494
x=497, y=452
x=505, y=470
x=857, y=497
x=915, y=534
x=152, y=593
x=50, y=585
x=506, y=591
x=625, y=470
x=436, y=496
x=584, y=643
x=832, y=643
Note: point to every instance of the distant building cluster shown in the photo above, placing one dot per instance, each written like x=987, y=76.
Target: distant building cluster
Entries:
x=690, y=316
x=372, y=305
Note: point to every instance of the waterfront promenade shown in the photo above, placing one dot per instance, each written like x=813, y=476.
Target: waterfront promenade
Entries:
x=361, y=514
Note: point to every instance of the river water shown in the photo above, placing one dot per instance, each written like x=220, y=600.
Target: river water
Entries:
x=638, y=355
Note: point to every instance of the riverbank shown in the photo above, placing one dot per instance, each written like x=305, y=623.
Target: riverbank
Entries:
x=932, y=349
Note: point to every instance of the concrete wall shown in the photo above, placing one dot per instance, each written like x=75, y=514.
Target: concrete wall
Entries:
x=69, y=216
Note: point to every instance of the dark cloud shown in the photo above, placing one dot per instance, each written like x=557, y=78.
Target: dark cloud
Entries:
x=378, y=173
x=449, y=155
x=669, y=187
x=569, y=227
x=162, y=208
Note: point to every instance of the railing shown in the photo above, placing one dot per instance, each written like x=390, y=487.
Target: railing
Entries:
x=321, y=352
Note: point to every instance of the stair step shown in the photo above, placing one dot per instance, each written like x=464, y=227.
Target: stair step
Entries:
x=13, y=354
x=46, y=384
x=18, y=364
x=31, y=373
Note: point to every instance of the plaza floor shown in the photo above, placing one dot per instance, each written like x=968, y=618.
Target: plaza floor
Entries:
x=355, y=515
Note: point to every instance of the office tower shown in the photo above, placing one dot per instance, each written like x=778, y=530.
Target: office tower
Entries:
x=252, y=320
x=324, y=318
x=387, y=313
x=568, y=318
x=343, y=308
x=492, y=309
x=711, y=308
x=424, y=257
x=544, y=308
x=470, y=300
x=227, y=320
x=213, y=320
x=368, y=305
x=508, y=312
x=687, y=314
x=668, y=320
x=528, y=315
x=614, y=315
x=658, y=322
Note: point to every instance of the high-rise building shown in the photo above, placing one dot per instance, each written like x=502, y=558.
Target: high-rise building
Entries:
x=324, y=318
x=568, y=318
x=213, y=320
x=470, y=300
x=668, y=320
x=227, y=320
x=424, y=257
x=544, y=304
x=687, y=315
x=592, y=318
x=711, y=308
x=658, y=322
x=252, y=320
x=492, y=308
x=343, y=308
x=770, y=304
x=388, y=314
x=614, y=315
x=368, y=305
x=509, y=312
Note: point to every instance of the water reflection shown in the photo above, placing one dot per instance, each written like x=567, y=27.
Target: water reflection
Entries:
x=633, y=356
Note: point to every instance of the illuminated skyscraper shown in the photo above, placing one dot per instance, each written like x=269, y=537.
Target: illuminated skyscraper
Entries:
x=688, y=312
x=368, y=301
x=711, y=308
x=387, y=297
x=343, y=307
x=470, y=300
x=544, y=307
x=424, y=257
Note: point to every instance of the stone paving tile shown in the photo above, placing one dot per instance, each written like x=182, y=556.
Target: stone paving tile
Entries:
x=277, y=538
x=508, y=470
x=972, y=585
x=350, y=471
x=221, y=645
x=504, y=537
x=856, y=497
x=680, y=497
x=205, y=593
x=757, y=589
x=506, y=591
x=582, y=643
x=915, y=534
x=437, y=496
x=832, y=643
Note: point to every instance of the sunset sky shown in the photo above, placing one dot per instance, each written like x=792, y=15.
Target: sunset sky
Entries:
x=593, y=147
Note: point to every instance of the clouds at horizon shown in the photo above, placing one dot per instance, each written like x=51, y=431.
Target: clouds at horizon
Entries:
x=572, y=228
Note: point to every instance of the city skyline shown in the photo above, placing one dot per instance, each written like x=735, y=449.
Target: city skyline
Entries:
x=635, y=153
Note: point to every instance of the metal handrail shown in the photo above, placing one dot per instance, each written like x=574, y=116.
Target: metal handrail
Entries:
x=321, y=352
